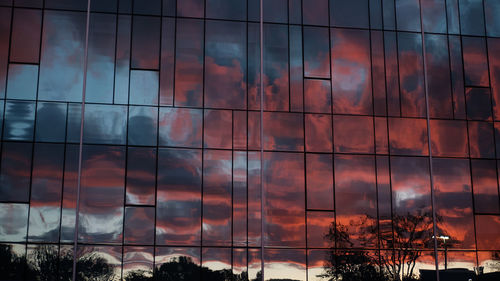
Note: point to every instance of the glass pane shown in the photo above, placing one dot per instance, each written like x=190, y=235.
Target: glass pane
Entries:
x=488, y=232
x=478, y=103
x=434, y=16
x=141, y=174
x=276, y=72
x=46, y=193
x=471, y=17
x=102, y=194
x=22, y=82
x=285, y=264
x=51, y=122
x=283, y=131
x=225, y=64
x=216, y=264
x=408, y=136
x=491, y=12
x=180, y=127
x=139, y=225
x=15, y=172
x=144, y=86
x=177, y=263
x=494, y=62
x=61, y=62
x=26, y=28
x=14, y=266
x=145, y=42
x=351, y=71
x=138, y=263
x=475, y=61
x=408, y=15
x=485, y=186
x=449, y=138
x=349, y=13
x=142, y=125
x=353, y=134
x=316, y=53
x=19, y=120
x=99, y=262
x=317, y=96
x=481, y=140
x=227, y=9
x=105, y=124
x=319, y=181
x=178, y=203
x=217, y=129
x=240, y=198
x=320, y=226
x=14, y=219
x=284, y=205
x=190, y=8
x=318, y=133
x=355, y=202
x=315, y=12
x=217, y=197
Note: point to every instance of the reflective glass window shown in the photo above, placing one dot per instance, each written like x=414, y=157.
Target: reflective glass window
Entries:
x=389, y=14
x=151, y=7
x=19, y=120
x=122, y=59
x=144, y=86
x=225, y=64
x=449, y=138
x=411, y=201
x=139, y=225
x=79, y=5
x=14, y=222
x=167, y=61
x=408, y=15
x=317, y=96
x=471, y=17
x=378, y=73
x=145, y=42
x=216, y=263
x=22, y=82
x=296, y=69
x=434, y=15
x=141, y=174
x=178, y=203
x=102, y=194
x=452, y=185
x=102, y=6
x=349, y=13
x=494, y=63
x=74, y=123
x=70, y=183
x=488, y=232
x=438, y=75
x=240, y=203
x=491, y=12
x=275, y=11
x=46, y=192
x=105, y=124
x=384, y=194
x=105, y=258
x=254, y=199
x=478, y=103
x=189, y=61
x=315, y=12
x=276, y=72
x=61, y=61
x=351, y=71
x=190, y=8
x=5, y=17
x=318, y=133
x=381, y=136
x=391, y=73
x=142, y=125
x=285, y=264
x=180, y=127
x=353, y=134
x=319, y=181
x=101, y=58
x=217, y=129
x=481, y=140
x=408, y=136
x=217, y=194
x=240, y=129
x=475, y=61
x=489, y=261
x=411, y=74
x=316, y=262
x=177, y=263
x=452, y=16
x=26, y=28
x=51, y=122
x=28, y=3
x=283, y=131
x=356, y=200
x=137, y=261
x=316, y=52
x=285, y=202
x=485, y=186
x=227, y=9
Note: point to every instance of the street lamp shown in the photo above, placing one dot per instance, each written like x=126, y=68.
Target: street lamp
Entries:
x=444, y=238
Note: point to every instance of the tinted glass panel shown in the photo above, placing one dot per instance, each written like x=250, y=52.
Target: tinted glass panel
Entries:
x=316, y=54
x=105, y=124
x=19, y=120
x=408, y=136
x=51, y=122
x=319, y=181
x=145, y=42
x=217, y=129
x=411, y=75
x=227, y=9
x=475, y=61
x=283, y=131
x=408, y=15
x=449, y=138
x=471, y=17
x=15, y=172
x=26, y=28
x=318, y=133
x=353, y=134
x=276, y=67
x=144, y=86
x=315, y=12
x=485, y=186
x=139, y=225
x=142, y=125
x=349, y=13
x=141, y=173
x=180, y=127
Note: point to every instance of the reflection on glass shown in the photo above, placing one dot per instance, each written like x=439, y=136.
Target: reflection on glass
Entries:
x=284, y=187
x=408, y=136
x=61, y=62
x=285, y=264
x=353, y=134
x=145, y=42
x=481, y=139
x=14, y=219
x=25, y=41
x=351, y=71
x=225, y=64
x=475, y=61
x=317, y=96
x=349, y=13
x=487, y=232
x=217, y=194
x=139, y=225
x=478, y=102
x=217, y=129
x=178, y=203
x=177, y=263
x=180, y=127
x=227, y=9
x=434, y=15
x=105, y=124
x=50, y=122
x=318, y=133
x=22, y=83
x=276, y=72
x=471, y=17
x=46, y=192
x=102, y=190
x=449, y=138
x=318, y=227
x=144, y=87
x=216, y=264
x=240, y=197
x=408, y=15
x=283, y=131
x=141, y=173
x=19, y=120
x=137, y=263
x=142, y=125
x=356, y=202
x=319, y=181
x=99, y=262
x=14, y=265
x=315, y=12
x=15, y=172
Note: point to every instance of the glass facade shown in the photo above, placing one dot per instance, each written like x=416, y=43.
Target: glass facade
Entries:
x=221, y=140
